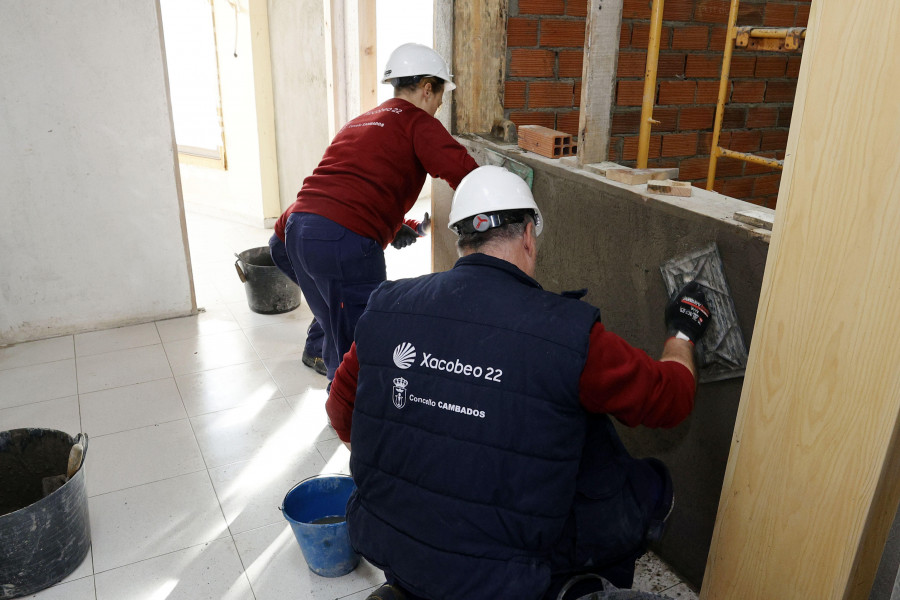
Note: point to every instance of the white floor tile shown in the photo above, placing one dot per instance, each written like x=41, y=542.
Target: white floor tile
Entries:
x=228, y=387
x=277, y=569
x=85, y=569
x=269, y=429
x=211, y=571
x=120, y=368
x=131, y=407
x=336, y=456
x=209, y=352
x=272, y=341
x=111, y=340
x=292, y=376
x=247, y=318
x=80, y=589
x=35, y=383
x=60, y=414
x=154, y=519
x=34, y=353
x=141, y=456
x=251, y=491
x=215, y=319
x=310, y=408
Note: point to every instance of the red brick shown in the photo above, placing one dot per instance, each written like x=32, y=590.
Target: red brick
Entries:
x=781, y=91
x=727, y=167
x=546, y=94
x=625, y=35
x=679, y=144
x=735, y=117
x=759, y=117
x=568, y=122
x=744, y=141
x=541, y=7
x=614, y=153
x=577, y=8
x=640, y=36
x=696, y=117
x=750, y=14
x=780, y=15
x=717, y=39
x=630, y=147
x=742, y=66
x=757, y=169
x=670, y=65
x=630, y=93
x=562, y=34
x=793, y=66
x=625, y=122
x=767, y=185
x=690, y=38
x=514, y=94
x=678, y=10
x=701, y=65
x=741, y=187
x=547, y=119
x=521, y=32
x=706, y=142
x=784, y=116
x=802, y=15
x=631, y=64
x=577, y=93
x=667, y=117
x=677, y=92
x=531, y=63
x=774, y=139
x=693, y=168
x=636, y=9
x=570, y=63
x=707, y=92
x=748, y=91
x=711, y=11
x=771, y=66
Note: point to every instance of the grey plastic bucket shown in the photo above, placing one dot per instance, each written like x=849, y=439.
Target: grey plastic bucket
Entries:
x=43, y=539
x=269, y=291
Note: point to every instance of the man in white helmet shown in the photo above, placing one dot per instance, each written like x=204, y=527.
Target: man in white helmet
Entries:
x=478, y=408
x=331, y=240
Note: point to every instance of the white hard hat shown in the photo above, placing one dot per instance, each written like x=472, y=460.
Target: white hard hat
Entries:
x=487, y=191
x=410, y=60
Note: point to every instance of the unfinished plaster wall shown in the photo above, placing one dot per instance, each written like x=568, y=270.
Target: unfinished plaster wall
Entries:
x=91, y=225
x=611, y=239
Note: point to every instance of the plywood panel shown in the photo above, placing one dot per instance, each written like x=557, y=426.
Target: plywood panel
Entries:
x=811, y=485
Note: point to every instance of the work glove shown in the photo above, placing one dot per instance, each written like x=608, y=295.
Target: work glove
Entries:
x=406, y=236
x=688, y=313
x=425, y=226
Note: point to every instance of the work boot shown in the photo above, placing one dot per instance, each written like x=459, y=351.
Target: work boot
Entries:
x=387, y=592
x=315, y=363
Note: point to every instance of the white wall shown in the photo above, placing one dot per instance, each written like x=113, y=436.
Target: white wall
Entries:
x=91, y=226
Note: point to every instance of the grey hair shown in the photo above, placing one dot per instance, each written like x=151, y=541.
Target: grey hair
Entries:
x=473, y=242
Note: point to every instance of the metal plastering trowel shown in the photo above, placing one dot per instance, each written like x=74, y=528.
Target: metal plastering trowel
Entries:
x=722, y=353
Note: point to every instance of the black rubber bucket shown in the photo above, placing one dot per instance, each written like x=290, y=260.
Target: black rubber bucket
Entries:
x=43, y=539
x=269, y=291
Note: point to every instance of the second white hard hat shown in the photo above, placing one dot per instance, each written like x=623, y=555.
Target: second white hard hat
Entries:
x=488, y=190
x=410, y=60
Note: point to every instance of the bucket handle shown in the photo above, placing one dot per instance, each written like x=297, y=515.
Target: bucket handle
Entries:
x=239, y=270
x=281, y=508
x=76, y=460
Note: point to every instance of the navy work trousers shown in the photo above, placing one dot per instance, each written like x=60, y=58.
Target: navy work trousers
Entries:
x=314, y=333
x=336, y=270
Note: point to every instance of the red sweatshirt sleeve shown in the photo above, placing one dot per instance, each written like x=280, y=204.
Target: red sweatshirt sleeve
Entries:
x=342, y=397
x=626, y=383
x=440, y=154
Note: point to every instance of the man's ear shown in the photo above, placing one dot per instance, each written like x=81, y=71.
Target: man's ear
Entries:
x=530, y=236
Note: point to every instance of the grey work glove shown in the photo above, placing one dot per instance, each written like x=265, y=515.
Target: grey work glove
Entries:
x=406, y=236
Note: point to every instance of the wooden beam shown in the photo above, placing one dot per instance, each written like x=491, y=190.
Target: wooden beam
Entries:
x=811, y=486
x=479, y=63
x=368, y=60
x=598, y=79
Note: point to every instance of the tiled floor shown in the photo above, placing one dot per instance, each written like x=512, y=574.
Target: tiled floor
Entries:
x=198, y=426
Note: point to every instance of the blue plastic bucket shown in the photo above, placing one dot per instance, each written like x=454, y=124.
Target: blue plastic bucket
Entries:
x=316, y=508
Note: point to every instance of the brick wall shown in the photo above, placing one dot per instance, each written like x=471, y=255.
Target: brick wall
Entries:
x=545, y=65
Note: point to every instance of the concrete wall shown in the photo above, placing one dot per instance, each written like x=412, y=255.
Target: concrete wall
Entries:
x=611, y=239
x=304, y=117
x=248, y=190
x=91, y=225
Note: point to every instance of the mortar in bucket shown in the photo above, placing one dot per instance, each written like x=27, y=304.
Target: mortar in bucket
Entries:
x=269, y=291
x=316, y=508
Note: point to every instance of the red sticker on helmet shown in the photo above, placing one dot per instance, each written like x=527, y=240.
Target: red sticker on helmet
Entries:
x=480, y=223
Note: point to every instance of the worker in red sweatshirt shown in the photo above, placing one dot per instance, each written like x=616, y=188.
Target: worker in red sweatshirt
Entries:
x=353, y=204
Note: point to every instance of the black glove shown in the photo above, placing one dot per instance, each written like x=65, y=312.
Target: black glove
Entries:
x=406, y=236
x=425, y=226
x=688, y=313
